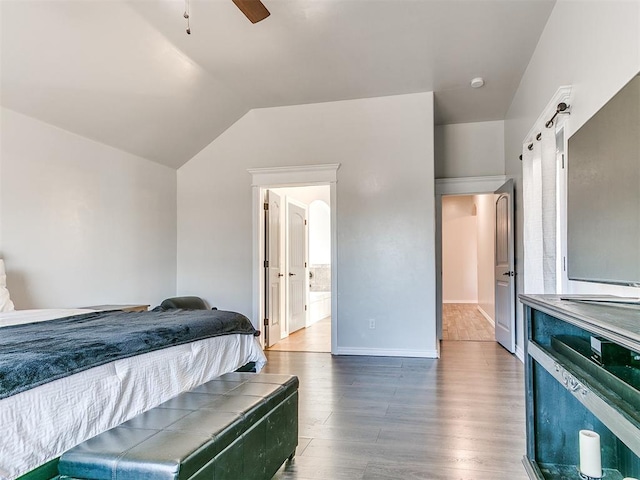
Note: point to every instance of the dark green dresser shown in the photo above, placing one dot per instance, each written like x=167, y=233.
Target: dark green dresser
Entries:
x=571, y=387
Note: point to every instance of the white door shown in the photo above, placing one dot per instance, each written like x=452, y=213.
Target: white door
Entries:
x=504, y=269
x=274, y=276
x=296, y=260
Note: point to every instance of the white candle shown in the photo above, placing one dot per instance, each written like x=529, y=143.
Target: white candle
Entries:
x=590, y=461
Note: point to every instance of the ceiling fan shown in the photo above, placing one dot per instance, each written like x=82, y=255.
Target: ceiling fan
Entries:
x=254, y=10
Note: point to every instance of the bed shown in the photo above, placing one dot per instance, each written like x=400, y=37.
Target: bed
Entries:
x=40, y=422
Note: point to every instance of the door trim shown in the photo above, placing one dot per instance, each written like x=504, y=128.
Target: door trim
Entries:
x=292, y=176
x=456, y=186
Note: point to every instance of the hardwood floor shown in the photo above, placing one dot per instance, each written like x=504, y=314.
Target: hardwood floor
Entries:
x=384, y=418
x=315, y=338
x=463, y=321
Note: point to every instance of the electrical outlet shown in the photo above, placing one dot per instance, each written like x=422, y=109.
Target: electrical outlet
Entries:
x=372, y=323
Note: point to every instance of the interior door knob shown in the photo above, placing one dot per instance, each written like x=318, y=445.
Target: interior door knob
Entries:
x=281, y=274
x=291, y=274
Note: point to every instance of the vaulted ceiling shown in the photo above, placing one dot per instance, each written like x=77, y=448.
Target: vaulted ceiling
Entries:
x=125, y=73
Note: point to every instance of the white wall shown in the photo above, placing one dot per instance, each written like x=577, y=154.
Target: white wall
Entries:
x=593, y=46
x=385, y=213
x=319, y=233
x=486, y=215
x=469, y=149
x=83, y=223
x=459, y=250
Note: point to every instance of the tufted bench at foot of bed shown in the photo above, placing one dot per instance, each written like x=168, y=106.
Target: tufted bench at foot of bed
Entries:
x=238, y=426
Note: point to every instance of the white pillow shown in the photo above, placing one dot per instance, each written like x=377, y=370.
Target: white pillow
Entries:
x=6, y=305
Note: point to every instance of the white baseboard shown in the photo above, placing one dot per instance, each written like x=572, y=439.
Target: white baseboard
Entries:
x=382, y=352
x=486, y=315
x=520, y=353
x=459, y=301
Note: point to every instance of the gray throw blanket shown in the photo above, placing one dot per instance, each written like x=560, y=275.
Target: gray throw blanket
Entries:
x=36, y=353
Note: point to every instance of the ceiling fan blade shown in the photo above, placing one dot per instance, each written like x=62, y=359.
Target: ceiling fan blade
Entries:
x=254, y=10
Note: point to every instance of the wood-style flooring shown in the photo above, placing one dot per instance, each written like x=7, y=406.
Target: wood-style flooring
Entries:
x=463, y=321
x=389, y=418
x=314, y=338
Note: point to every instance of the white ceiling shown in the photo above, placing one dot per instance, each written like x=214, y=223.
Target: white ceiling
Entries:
x=125, y=73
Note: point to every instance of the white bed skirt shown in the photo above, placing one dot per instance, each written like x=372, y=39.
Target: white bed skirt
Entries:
x=42, y=423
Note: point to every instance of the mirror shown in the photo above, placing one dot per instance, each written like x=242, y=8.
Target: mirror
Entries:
x=603, y=193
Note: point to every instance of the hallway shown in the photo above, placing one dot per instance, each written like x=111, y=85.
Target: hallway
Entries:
x=315, y=338
x=463, y=321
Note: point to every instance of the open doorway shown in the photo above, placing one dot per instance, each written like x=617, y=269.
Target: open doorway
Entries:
x=504, y=272
x=298, y=271
x=468, y=273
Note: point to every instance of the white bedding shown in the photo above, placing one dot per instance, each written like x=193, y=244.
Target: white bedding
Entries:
x=18, y=317
x=40, y=424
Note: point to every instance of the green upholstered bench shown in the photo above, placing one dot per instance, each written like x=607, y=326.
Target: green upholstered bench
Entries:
x=238, y=426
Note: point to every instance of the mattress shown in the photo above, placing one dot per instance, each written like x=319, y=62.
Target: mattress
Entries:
x=40, y=424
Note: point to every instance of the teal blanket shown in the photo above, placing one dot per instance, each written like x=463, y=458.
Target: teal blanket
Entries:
x=37, y=353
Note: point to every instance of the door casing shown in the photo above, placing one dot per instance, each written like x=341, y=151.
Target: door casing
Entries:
x=456, y=186
x=291, y=176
